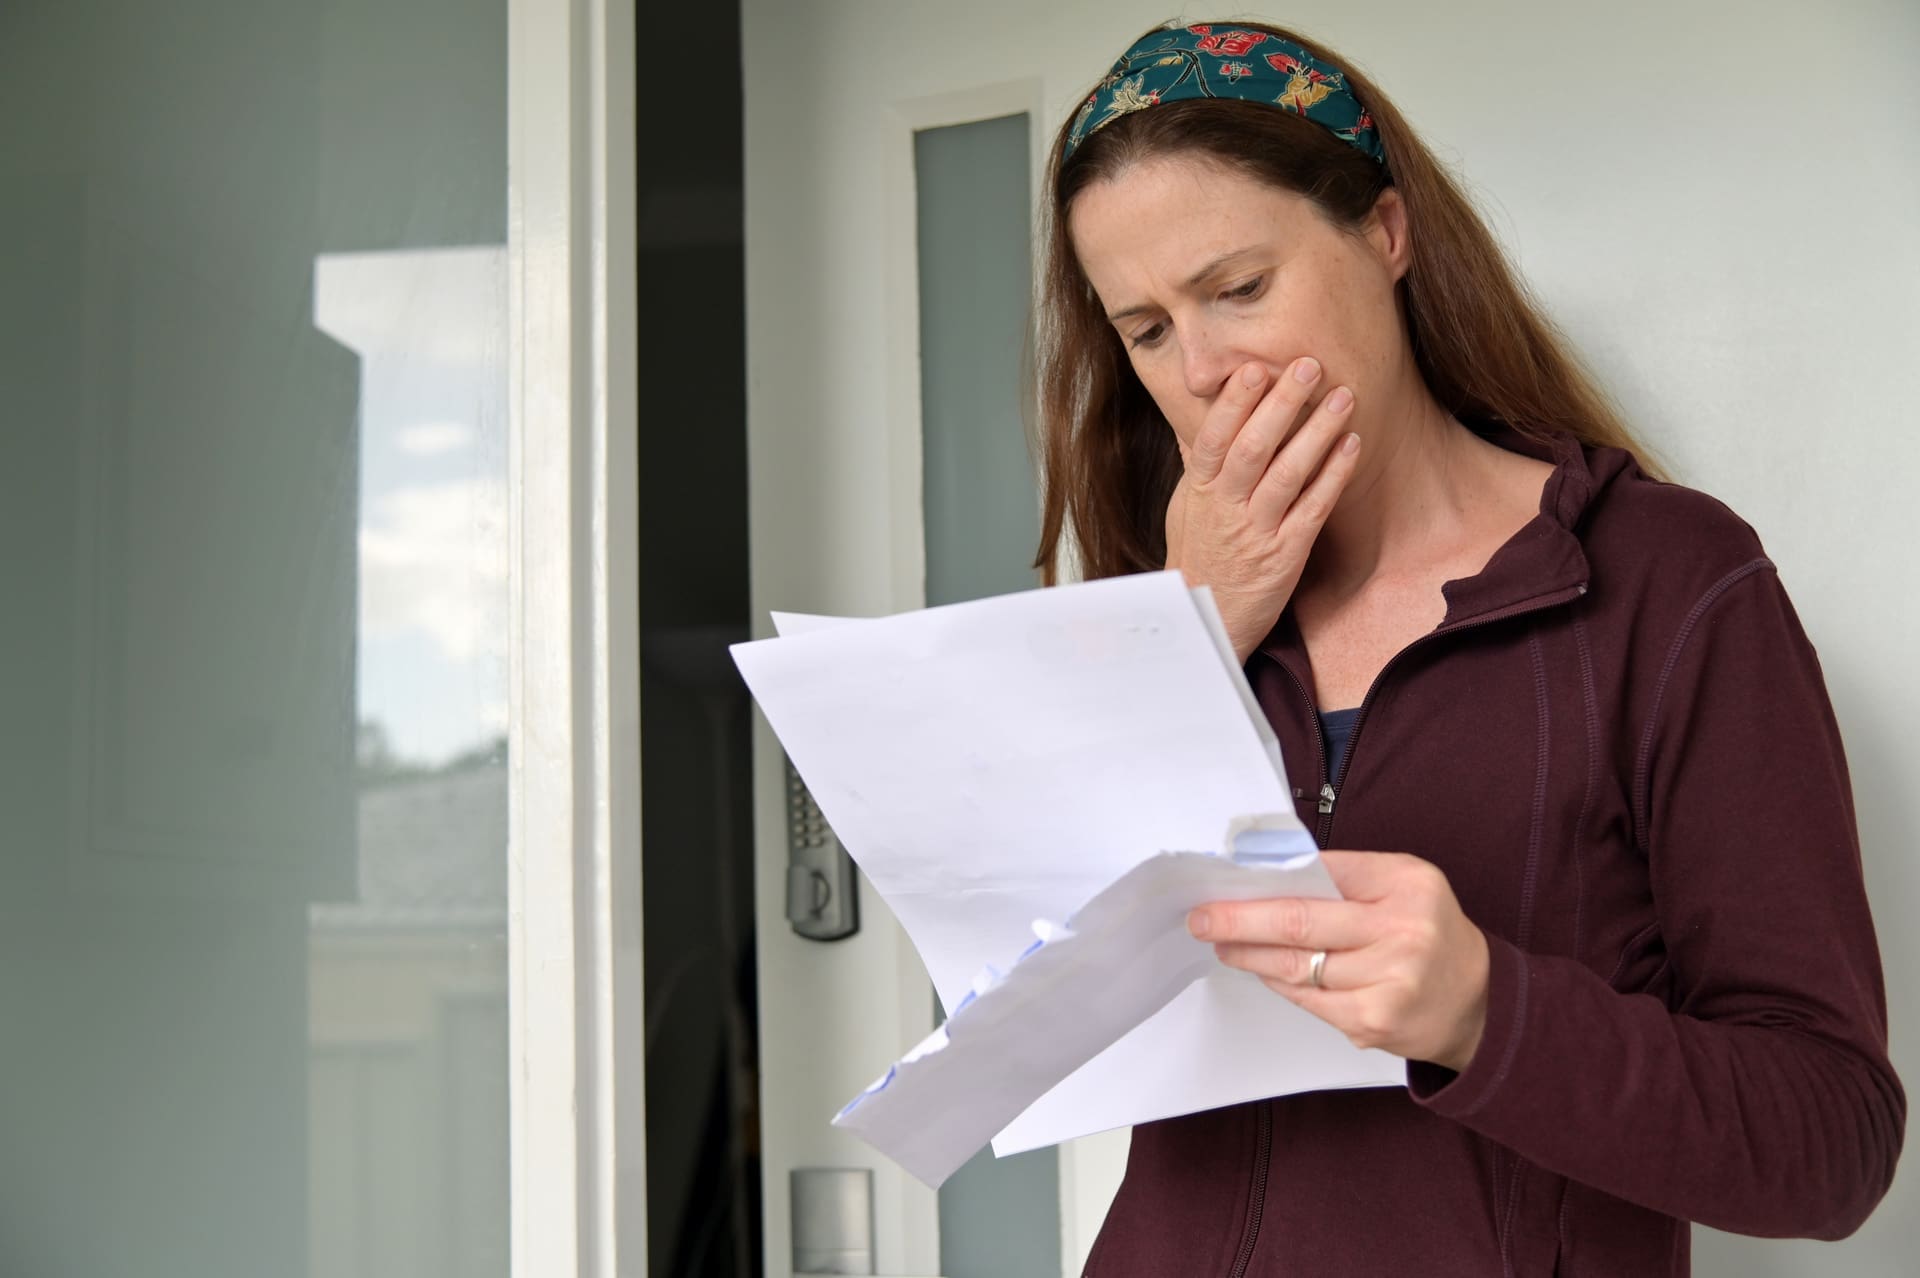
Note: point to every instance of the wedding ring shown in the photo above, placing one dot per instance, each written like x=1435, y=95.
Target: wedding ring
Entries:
x=1317, y=969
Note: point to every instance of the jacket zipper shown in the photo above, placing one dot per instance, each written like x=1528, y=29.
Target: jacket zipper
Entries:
x=1257, y=1200
x=1330, y=786
x=1328, y=795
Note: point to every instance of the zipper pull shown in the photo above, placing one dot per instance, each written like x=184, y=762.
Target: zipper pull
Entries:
x=1327, y=796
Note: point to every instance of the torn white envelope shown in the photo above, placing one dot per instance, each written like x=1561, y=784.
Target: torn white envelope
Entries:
x=1000, y=761
x=1080, y=987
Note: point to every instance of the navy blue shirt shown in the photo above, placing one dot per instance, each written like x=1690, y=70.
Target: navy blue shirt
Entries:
x=1337, y=726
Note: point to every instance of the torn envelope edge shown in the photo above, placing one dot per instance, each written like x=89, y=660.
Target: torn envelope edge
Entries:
x=936, y=1106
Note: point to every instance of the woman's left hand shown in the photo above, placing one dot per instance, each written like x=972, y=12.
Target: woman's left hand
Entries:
x=1406, y=970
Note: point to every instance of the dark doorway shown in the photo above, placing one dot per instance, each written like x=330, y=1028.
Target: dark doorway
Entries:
x=703, y=1172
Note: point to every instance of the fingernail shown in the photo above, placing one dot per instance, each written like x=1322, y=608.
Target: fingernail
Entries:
x=1339, y=400
x=1252, y=375
x=1350, y=445
x=1306, y=369
x=1200, y=923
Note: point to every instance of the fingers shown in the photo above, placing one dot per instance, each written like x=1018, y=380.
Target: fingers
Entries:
x=1300, y=922
x=1286, y=965
x=1255, y=444
x=1243, y=392
x=1307, y=476
x=1401, y=966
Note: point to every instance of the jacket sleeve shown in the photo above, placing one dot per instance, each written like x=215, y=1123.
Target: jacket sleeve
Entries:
x=1758, y=1098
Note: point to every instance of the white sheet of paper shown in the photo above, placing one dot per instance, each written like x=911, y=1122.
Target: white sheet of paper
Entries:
x=804, y=623
x=992, y=763
x=1122, y=958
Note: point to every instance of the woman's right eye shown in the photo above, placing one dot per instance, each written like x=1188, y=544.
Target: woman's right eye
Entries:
x=1149, y=336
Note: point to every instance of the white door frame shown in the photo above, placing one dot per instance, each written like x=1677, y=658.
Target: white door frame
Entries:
x=578, y=1143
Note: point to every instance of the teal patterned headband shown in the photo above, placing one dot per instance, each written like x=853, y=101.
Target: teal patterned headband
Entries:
x=1188, y=63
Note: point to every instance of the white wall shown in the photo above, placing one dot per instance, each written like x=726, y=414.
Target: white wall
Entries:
x=1717, y=201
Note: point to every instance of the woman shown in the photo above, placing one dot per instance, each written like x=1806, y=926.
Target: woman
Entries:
x=1607, y=898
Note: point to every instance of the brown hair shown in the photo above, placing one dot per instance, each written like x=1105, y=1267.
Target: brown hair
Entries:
x=1486, y=351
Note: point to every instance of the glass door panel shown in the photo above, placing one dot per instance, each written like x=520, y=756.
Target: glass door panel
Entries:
x=253, y=576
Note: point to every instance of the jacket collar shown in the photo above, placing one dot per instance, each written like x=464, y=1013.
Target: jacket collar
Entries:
x=1541, y=565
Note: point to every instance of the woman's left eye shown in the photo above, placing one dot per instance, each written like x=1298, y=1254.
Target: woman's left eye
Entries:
x=1246, y=290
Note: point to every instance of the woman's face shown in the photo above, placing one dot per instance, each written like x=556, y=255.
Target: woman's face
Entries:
x=1202, y=270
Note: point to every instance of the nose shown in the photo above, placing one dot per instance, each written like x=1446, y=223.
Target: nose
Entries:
x=1206, y=363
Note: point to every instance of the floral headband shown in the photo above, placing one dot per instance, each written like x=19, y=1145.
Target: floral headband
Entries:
x=1252, y=66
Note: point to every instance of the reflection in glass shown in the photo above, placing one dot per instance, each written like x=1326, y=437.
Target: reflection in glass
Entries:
x=252, y=640
x=407, y=1011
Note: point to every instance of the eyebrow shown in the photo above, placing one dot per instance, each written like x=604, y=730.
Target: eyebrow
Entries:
x=1212, y=268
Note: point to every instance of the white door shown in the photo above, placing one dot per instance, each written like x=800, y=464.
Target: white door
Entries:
x=892, y=156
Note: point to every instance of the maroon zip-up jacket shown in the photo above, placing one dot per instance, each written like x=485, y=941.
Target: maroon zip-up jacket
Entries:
x=1619, y=748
